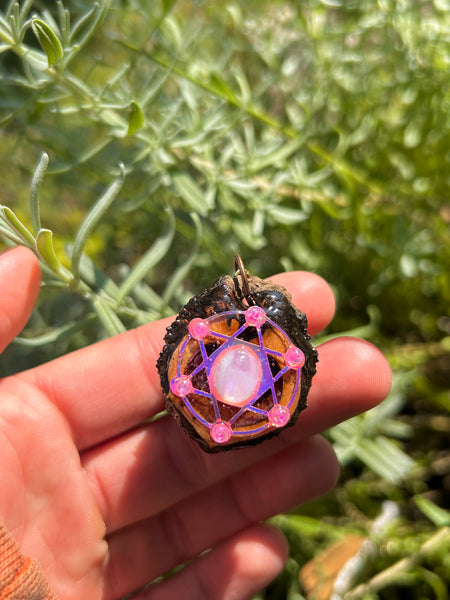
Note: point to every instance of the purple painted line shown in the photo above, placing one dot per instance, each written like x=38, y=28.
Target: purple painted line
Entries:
x=246, y=432
x=260, y=337
x=198, y=369
x=237, y=415
x=221, y=336
x=273, y=352
x=294, y=393
x=203, y=350
x=257, y=410
x=195, y=413
x=274, y=394
x=234, y=335
x=182, y=349
x=201, y=393
x=281, y=373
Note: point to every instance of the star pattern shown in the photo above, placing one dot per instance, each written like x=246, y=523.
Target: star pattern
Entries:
x=221, y=430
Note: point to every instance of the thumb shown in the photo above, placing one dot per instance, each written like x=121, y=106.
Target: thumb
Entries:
x=20, y=278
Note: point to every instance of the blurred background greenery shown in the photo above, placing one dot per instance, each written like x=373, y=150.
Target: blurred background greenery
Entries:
x=143, y=144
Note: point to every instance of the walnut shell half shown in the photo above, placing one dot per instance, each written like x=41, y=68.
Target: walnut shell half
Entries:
x=237, y=370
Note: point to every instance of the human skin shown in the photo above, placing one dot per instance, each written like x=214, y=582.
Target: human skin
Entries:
x=106, y=504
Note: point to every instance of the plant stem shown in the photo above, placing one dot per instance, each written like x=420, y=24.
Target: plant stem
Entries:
x=436, y=543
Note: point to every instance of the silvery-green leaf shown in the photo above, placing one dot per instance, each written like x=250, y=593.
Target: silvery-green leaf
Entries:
x=48, y=40
x=36, y=183
x=11, y=219
x=10, y=234
x=110, y=321
x=93, y=218
x=56, y=334
x=191, y=193
x=437, y=515
x=135, y=118
x=45, y=249
x=276, y=156
x=245, y=233
x=152, y=257
x=95, y=277
x=36, y=59
x=287, y=216
x=179, y=275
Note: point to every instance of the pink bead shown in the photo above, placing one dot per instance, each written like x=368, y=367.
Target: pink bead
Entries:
x=256, y=316
x=181, y=386
x=221, y=432
x=199, y=328
x=236, y=375
x=294, y=358
x=279, y=415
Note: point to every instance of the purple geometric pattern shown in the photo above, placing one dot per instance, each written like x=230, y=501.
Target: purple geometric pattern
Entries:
x=238, y=373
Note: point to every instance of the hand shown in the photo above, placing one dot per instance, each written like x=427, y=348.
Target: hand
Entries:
x=106, y=504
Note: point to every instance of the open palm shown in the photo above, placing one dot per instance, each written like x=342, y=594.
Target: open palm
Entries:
x=106, y=504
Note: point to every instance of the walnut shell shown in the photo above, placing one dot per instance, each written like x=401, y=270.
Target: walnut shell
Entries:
x=201, y=407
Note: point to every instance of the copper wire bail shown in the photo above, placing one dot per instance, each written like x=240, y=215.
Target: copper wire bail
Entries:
x=240, y=269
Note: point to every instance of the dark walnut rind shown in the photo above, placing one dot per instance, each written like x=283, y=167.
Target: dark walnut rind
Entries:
x=225, y=295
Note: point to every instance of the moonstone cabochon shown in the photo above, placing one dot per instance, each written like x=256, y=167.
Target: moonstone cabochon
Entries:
x=224, y=296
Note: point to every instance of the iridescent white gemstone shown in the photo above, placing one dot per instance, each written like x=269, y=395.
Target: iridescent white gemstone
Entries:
x=236, y=375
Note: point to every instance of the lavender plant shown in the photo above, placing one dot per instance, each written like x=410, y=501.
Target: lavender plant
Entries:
x=144, y=144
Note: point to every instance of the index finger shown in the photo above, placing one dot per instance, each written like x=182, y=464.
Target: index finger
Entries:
x=112, y=386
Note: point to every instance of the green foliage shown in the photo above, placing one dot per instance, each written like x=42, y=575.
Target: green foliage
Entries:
x=144, y=144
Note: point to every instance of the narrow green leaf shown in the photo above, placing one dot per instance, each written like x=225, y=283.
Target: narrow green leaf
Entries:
x=304, y=525
x=10, y=217
x=384, y=458
x=14, y=19
x=330, y=208
x=25, y=8
x=36, y=59
x=10, y=9
x=45, y=249
x=110, y=321
x=5, y=23
x=59, y=333
x=152, y=257
x=276, y=156
x=10, y=235
x=64, y=22
x=220, y=87
x=287, y=216
x=174, y=282
x=245, y=233
x=146, y=296
x=437, y=515
x=93, y=218
x=87, y=154
x=5, y=33
x=135, y=119
x=36, y=183
x=95, y=277
x=191, y=193
x=48, y=40
x=82, y=23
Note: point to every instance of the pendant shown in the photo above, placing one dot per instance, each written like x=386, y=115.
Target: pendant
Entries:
x=237, y=363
